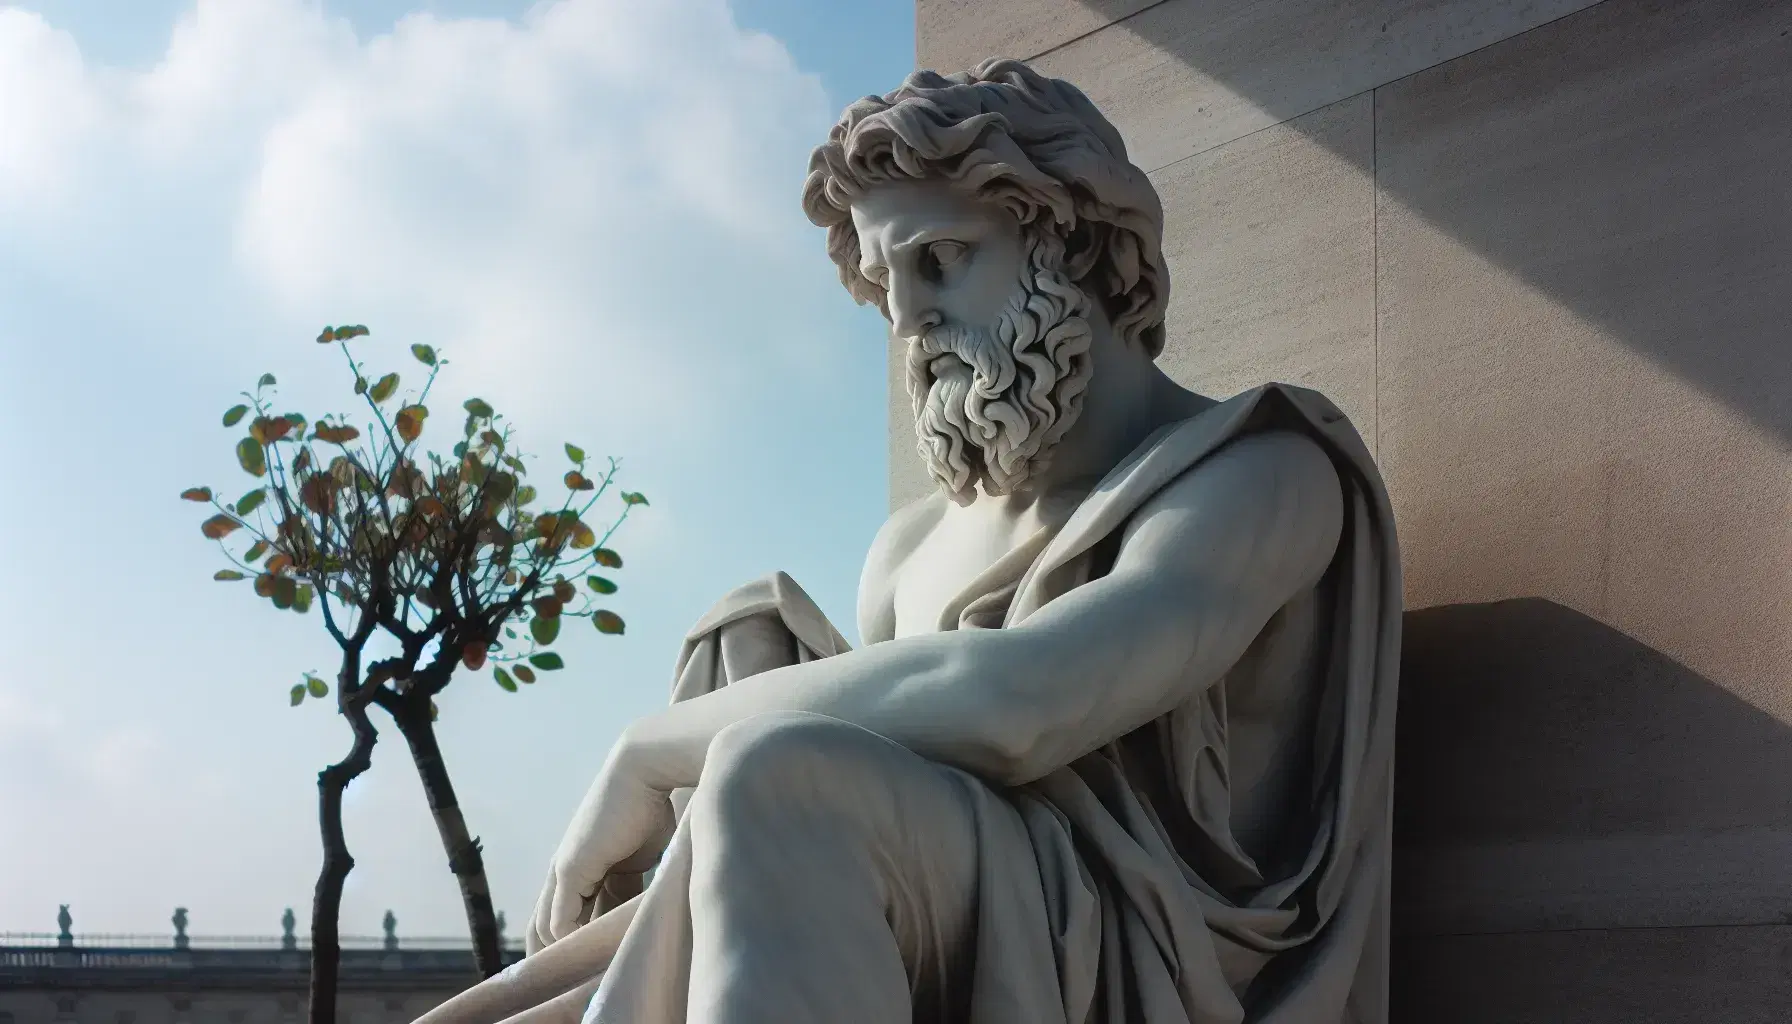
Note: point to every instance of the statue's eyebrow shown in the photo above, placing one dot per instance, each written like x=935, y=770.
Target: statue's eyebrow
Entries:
x=956, y=230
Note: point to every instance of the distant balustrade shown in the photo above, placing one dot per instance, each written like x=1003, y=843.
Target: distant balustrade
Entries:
x=145, y=940
x=113, y=959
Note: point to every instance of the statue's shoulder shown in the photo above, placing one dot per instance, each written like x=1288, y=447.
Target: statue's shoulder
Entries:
x=1273, y=432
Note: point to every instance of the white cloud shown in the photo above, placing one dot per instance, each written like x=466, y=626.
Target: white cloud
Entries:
x=47, y=107
x=514, y=191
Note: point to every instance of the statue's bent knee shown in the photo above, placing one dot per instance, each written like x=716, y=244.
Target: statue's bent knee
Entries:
x=794, y=759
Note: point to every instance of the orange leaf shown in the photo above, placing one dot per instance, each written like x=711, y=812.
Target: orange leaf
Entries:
x=318, y=494
x=197, y=494
x=564, y=591
x=279, y=563
x=524, y=673
x=264, y=585
x=546, y=607
x=473, y=655
x=277, y=428
x=576, y=481
x=405, y=481
x=336, y=434
x=409, y=422
x=219, y=526
x=432, y=507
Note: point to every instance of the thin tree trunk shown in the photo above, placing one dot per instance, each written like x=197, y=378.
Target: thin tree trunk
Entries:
x=464, y=858
x=326, y=902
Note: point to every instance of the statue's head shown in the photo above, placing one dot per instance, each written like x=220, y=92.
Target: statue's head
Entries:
x=994, y=219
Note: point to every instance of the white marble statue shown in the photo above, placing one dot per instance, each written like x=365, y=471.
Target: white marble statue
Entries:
x=1118, y=744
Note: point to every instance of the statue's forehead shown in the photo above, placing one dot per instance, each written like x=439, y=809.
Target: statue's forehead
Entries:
x=889, y=212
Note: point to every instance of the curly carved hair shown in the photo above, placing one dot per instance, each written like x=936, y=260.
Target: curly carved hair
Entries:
x=1008, y=135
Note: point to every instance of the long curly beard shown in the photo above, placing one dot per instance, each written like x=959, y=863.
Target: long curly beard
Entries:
x=991, y=403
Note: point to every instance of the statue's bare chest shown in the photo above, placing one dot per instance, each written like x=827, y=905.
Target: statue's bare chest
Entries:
x=948, y=558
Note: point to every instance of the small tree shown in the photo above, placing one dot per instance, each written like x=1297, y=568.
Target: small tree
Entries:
x=454, y=559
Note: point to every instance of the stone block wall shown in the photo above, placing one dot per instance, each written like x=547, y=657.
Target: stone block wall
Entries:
x=1541, y=252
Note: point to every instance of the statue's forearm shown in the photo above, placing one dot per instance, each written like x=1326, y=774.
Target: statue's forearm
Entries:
x=922, y=692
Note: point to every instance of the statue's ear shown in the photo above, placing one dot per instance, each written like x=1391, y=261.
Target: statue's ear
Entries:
x=1084, y=248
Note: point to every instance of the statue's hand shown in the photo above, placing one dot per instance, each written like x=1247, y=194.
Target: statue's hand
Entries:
x=622, y=827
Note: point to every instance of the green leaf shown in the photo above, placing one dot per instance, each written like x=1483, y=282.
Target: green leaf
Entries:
x=504, y=679
x=360, y=385
x=256, y=550
x=633, y=498
x=228, y=574
x=601, y=585
x=251, y=501
x=607, y=622
x=544, y=628
x=607, y=558
x=525, y=494
x=477, y=407
x=354, y=331
x=575, y=453
x=250, y=456
x=384, y=389
x=298, y=694
x=317, y=687
x=524, y=673
x=547, y=661
x=424, y=354
x=286, y=591
x=301, y=599
x=197, y=494
x=235, y=414
x=511, y=633
x=266, y=381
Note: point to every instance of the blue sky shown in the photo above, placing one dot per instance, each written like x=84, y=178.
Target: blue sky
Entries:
x=590, y=206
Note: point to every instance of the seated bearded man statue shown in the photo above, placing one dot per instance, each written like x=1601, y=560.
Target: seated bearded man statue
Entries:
x=1118, y=743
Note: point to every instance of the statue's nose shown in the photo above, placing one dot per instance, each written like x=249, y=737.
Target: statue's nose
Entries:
x=913, y=310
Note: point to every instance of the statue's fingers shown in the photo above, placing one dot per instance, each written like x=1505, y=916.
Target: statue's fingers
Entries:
x=563, y=912
x=538, y=936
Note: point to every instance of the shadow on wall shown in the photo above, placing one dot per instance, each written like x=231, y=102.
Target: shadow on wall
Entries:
x=1614, y=129
x=1562, y=788
x=1525, y=720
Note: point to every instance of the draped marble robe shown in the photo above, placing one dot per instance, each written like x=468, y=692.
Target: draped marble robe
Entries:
x=1113, y=889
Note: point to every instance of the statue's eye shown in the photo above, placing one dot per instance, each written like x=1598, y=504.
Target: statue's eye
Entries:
x=946, y=252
